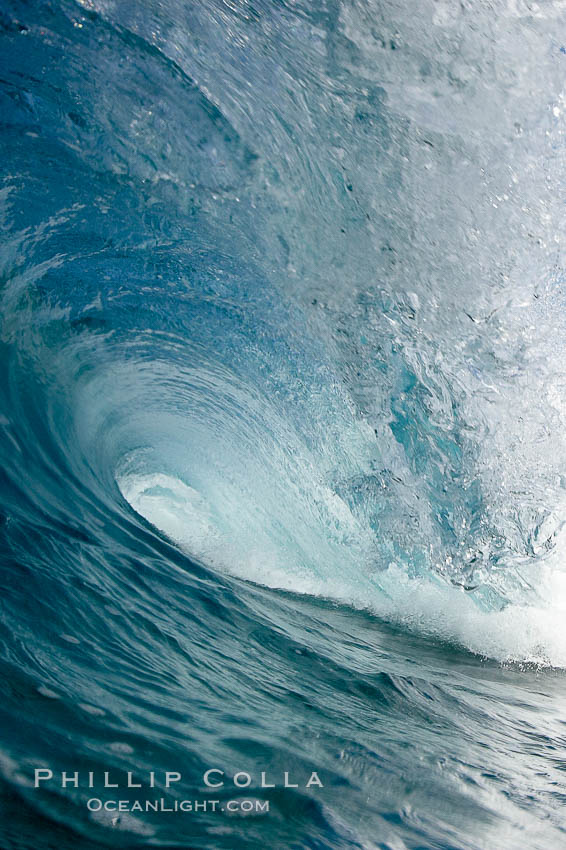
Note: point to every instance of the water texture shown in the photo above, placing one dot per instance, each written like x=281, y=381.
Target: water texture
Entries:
x=282, y=420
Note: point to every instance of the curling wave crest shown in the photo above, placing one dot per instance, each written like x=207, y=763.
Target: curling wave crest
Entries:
x=283, y=419
x=312, y=328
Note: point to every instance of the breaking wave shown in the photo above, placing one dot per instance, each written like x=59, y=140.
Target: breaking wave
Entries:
x=282, y=301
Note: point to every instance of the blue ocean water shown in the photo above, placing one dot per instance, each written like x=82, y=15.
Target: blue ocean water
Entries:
x=282, y=419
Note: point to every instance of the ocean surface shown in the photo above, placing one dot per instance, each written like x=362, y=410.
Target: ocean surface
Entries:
x=283, y=423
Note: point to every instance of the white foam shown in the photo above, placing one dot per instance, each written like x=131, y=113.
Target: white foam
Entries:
x=528, y=633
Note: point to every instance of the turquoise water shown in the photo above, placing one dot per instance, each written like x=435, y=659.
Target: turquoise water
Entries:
x=282, y=417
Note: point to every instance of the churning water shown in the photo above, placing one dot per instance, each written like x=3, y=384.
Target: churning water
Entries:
x=283, y=419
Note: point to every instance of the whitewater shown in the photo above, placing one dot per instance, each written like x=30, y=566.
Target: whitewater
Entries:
x=283, y=422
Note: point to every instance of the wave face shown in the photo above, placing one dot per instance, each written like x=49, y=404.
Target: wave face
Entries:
x=282, y=417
